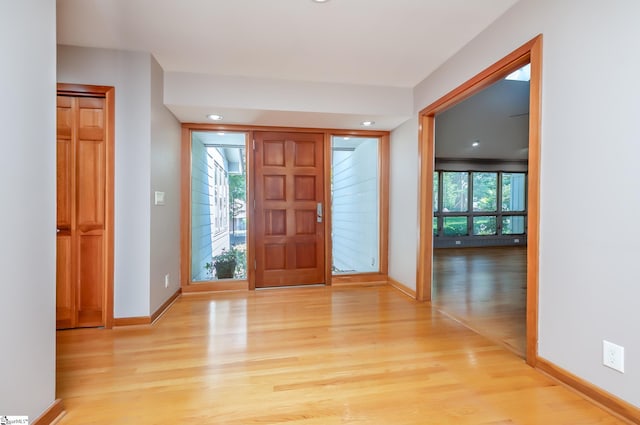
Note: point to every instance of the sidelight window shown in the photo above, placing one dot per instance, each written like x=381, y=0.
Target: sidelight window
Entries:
x=355, y=185
x=218, y=206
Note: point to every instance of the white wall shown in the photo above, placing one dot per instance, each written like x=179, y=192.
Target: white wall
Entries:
x=241, y=92
x=28, y=187
x=130, y=74
x=260, y=101
x=588, y=280
x=403, y=203
x=165, y=177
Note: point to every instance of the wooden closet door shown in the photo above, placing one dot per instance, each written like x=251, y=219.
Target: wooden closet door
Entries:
x=81, y=184
x=66, y=316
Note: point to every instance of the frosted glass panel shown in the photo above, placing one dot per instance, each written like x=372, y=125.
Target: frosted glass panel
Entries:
x=355, y=215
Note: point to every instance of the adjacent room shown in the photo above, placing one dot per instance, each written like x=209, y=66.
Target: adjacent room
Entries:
x=480, y=210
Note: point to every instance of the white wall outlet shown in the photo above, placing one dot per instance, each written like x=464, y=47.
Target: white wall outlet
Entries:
x=458, y=242
x=613, y=356
x=516, y=241
x=166, y=280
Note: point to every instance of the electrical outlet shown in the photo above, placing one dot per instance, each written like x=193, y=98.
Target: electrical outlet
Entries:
x=613, y=356
x=458, y=242
x=166, y=280
x=516, y=241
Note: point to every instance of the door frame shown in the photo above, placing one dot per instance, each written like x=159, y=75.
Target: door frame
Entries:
x=249, y=284
x=108, y=94
x=530, y=52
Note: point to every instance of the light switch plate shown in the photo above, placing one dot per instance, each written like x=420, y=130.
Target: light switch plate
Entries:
x=159, y=198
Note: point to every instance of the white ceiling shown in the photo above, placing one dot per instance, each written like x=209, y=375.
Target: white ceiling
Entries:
x=497, y=118
x=357, y=42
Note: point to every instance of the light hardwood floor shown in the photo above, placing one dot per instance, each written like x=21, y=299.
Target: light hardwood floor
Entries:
x=305, y=356
x=484, y=288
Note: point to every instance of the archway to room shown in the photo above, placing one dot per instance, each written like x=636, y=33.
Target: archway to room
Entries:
x=480, y=210
x=528, y=53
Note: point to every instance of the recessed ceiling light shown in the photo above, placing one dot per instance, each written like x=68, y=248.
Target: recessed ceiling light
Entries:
x=221, y=133
x=475, y=144
x=367, y=123
x=215, y=117
x=320, y=1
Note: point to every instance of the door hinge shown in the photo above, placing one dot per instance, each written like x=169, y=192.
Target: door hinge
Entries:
x=255, y=264
x=254, y=204
x=254, y=144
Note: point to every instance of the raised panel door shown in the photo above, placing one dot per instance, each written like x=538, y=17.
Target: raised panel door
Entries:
x=81, y=184
x=289, y=187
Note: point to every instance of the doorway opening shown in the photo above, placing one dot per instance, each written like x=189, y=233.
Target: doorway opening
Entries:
x=480, y=210
x=530, y=53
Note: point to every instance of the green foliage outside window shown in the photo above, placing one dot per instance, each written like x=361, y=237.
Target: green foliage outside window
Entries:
x=485, y=191
x=453, y=186
x=455, y=193
x=455, y=226
x=484, y=225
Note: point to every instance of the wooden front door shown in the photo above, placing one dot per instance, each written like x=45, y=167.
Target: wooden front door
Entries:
x=81, y=183
x=289, y=202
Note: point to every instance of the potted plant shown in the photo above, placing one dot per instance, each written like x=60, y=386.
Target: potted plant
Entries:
x=224, y=263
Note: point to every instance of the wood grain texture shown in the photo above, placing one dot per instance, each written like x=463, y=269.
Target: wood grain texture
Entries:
x=360, y=279
x=51, y=415
x=383, y=202
x=530, y=52
x=604, y=399
x=533, y=198
x=185, y=208
x=315, y=355
x=411, y=293
x=187, y=128
x=132, y=321
x=221, y=285
x=147, y=320
x=108, y=94
x=110, y=159
x=85, y=167
x=485, y=289
x=328, y=208
x=66, y=233
x=165, y=305
x=426, y=161
x=289, y=183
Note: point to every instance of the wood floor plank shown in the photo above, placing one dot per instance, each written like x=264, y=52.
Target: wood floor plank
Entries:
x=304, y=356
x=484, y=288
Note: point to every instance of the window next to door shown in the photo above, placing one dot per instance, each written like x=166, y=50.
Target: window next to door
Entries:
x=355, y=188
